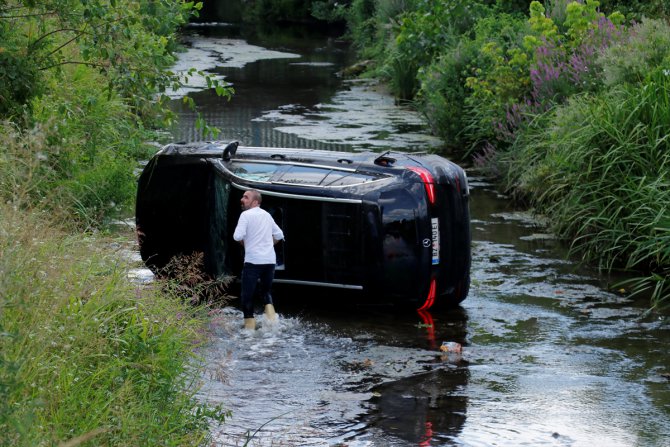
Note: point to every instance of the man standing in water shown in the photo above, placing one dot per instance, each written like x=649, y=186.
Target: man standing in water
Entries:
x=258, y=233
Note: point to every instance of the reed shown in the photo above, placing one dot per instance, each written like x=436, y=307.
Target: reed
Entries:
x=599, y=168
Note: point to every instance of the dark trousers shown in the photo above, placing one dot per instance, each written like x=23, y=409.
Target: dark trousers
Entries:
x=252, y=275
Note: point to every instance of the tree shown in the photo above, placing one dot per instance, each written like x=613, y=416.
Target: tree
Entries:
x=130, y=41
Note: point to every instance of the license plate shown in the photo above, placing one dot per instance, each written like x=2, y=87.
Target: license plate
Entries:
x=436, y=240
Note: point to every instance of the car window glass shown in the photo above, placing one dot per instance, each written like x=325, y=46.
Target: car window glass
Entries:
x=304, y=175
x=258, y=172
x=346, y=178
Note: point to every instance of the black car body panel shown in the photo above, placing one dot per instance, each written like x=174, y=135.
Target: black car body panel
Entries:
x=394, y=227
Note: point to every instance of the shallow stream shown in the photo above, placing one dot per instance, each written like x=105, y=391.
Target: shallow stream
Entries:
x=551, y=356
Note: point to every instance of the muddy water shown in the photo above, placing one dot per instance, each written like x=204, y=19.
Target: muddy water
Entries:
x=551, y=357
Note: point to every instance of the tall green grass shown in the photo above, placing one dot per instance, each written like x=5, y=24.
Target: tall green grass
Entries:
x=86, y=357
x=76, y=154
x=84, y=353
x=599, y=168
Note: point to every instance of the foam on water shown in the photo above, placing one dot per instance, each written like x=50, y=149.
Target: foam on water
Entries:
x=363, y=115
x=208, y=54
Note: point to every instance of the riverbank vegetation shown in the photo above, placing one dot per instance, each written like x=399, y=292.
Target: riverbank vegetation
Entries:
x=86, y=357
x=564, y=102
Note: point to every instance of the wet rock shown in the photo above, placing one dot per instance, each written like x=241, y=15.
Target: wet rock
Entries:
x=357, y=69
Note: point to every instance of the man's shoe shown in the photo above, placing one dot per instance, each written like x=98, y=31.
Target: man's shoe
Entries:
x=270, y=313
x=250, y=323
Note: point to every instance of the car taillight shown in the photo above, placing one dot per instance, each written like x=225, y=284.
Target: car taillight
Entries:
x=430, y=299
x=428, y=182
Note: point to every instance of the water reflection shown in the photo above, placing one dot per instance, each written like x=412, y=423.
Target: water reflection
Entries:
x=424, y=410
x=264, y=76
x=428, y=408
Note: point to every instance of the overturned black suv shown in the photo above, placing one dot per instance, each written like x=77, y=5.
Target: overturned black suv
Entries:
x=395, y=227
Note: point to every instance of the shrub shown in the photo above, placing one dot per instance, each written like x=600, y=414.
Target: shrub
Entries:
x=20, y=76
x=559, y=71
x=638, y=9
x=553, y=62
x=88, y=149
x=423, y=35
x=646, y=46
x=362, y=27
x=268, y=11
x=454, y=98
x=19, y=81
x=497, y=80
x=441, y=97
x=184, y=276
x=85, y=75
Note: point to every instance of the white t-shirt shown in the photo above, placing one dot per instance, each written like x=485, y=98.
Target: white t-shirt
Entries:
x=257, y=229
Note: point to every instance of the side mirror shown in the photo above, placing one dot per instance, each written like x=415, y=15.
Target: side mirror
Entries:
x=230, y=150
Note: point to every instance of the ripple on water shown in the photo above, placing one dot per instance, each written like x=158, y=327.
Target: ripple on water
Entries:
x=306, y=383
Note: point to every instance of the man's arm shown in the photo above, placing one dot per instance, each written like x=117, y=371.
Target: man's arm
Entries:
x=241, y=229
x=277, y=233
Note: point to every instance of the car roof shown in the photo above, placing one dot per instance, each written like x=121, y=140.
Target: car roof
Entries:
x=394, y=163
x=352, y=160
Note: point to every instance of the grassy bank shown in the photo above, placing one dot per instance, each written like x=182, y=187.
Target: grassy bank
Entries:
x=598, y=167
x=84, y=352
